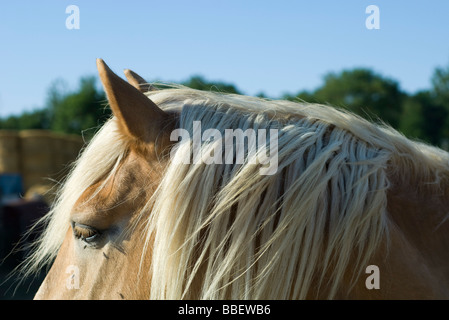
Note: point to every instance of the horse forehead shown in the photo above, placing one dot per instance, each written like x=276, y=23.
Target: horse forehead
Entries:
x=126, y=182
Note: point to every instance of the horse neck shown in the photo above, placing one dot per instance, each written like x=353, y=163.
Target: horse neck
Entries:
x=419, y=218
x=420, y=195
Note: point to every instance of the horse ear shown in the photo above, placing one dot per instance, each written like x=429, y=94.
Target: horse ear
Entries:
x=138, y=82
x=138, y=116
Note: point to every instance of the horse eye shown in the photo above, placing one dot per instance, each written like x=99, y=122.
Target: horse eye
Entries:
x=85, y=233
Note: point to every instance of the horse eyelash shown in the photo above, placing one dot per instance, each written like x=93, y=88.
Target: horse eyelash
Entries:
x=84, y=232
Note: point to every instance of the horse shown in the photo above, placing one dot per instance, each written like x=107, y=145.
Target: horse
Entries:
x=354, y=209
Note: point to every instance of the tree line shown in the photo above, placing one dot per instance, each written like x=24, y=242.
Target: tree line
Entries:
x=423, y=115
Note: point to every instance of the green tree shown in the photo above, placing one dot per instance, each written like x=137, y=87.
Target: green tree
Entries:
x=440, y=82
x=37, y=119
x=440, y=93
x=199, y=83
x=79, y=110
x=411, y=122
x=10, y=123
x=65, y=111
x=302, y=96
x=424, y=118
x=363, y=92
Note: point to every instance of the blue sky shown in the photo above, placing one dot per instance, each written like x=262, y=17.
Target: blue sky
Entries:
x=260, y=46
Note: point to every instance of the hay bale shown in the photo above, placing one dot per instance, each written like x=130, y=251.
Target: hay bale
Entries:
x=43, y=192
x=37, y=156
x=46, y=155
x=73, y=145
x=9, y=151
x=67, y=148
x=57, y=155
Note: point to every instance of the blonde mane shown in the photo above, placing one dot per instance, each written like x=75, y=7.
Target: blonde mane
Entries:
x=227, y=232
